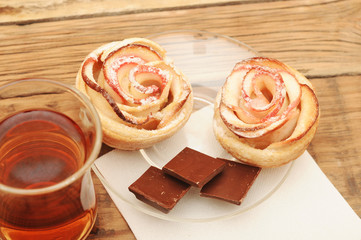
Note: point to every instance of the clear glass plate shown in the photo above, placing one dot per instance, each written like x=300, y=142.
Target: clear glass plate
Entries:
x=206, y=59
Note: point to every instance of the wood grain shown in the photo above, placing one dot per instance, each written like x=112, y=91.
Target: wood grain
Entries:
x=337, y=145
x=38, y=10
x=303, y=40
x=322, y=39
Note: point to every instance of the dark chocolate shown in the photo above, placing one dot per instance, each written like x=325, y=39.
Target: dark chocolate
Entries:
x=232, y=184
x=193, y=167
x=158, y=189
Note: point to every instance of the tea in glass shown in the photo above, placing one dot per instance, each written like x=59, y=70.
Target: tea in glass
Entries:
x=46, y=189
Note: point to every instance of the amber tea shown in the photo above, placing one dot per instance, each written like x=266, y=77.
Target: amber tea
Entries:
x=40, y=148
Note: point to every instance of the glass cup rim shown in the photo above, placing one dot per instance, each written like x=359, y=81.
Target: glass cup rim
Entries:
x=89, y=161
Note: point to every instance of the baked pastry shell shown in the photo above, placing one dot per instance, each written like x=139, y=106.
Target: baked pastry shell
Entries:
x=276, y=154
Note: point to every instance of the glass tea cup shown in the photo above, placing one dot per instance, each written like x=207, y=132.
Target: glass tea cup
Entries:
x=50, y=135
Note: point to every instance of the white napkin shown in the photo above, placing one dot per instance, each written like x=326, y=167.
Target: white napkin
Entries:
x=305, y=206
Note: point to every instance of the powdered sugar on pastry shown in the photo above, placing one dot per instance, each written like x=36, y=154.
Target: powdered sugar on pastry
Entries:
x=141, y=97
x=266, y=113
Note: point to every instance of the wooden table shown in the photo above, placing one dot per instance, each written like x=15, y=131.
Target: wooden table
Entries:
x=322, y=39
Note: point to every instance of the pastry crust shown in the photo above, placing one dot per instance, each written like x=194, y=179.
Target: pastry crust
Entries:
x=141, y=97
x=266, y=113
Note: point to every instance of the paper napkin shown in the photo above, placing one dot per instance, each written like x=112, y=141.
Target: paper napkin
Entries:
x=305, y=206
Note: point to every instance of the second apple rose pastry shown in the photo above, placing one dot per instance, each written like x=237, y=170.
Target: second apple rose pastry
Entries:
x=139, y=94
x=266, y=113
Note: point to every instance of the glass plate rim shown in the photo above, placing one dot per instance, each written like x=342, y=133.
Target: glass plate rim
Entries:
x=205, y=32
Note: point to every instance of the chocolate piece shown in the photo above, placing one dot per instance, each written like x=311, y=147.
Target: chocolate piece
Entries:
x=158, y=189
x=232, y=184
x=193, y=167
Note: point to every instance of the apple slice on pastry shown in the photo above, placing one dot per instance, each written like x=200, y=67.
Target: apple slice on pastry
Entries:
x=141, y=97
x=266, y=113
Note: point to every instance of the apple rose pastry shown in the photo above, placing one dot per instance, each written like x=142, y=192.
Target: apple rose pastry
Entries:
x=140, y=96
x=266, y=113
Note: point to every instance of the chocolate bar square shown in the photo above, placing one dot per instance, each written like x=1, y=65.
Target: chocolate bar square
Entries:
x=158, y=189
x=193, y=167
x=232, y=184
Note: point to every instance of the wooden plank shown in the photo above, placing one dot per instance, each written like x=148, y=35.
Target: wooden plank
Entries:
x=337, y=144
x=30, y=10
x=309, y=42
